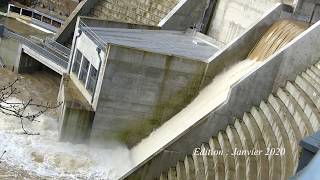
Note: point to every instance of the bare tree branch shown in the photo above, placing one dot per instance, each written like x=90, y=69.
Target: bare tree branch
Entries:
x=2, y=155
x=20, y=109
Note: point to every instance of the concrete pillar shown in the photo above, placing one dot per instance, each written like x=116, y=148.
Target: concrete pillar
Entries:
x=76, y=115
x=25, y=63
x=76, y=124
x=1, y=30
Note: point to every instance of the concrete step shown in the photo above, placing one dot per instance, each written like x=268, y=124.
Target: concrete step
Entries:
x=270, y=142
x=290, y=126
x=296, y=111
x=207, y=162
x=219, y=167
x=229, y=162
x=305, y=103
x=234, y=139
x=259, y=144
x=199, y=167
x=163, y=176
x=317, y=65
x=190, y=170
x=311, y=80
x=315, y=70
x=282, y=138
x=311, y=72
x=309, y=90
x=279, y=122
x=172, y=174
x=181, y=171
x=246, y=141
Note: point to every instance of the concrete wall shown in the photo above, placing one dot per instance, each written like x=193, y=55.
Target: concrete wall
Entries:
x=8, y=51
x=308, y=11
x=140, y=91
x=300, y=56
x=76, y=115
x=27, y=64
x=89, y=50
x=65, y=33
x=232, y=17
x=2, y=27
x=186, y=14
x=137, y=12
x=134, y=11
x=95, y=22
x=240, y=47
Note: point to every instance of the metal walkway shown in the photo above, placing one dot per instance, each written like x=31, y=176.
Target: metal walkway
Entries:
x=50, y=53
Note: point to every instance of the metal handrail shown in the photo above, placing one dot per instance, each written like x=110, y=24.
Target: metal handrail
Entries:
x=38, y=48
x=88, y=31
x=57, y=46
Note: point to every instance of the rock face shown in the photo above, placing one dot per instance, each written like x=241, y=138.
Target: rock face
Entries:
x=135, y=11
x=281, y=121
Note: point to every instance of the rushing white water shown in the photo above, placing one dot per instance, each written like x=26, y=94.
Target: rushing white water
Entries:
x=208, y=99
x=44, y=156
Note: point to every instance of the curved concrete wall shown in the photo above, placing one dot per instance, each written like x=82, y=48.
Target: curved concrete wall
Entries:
x=279, y=123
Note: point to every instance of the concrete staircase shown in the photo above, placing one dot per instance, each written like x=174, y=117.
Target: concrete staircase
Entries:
x=281, y=121
x=135, y=11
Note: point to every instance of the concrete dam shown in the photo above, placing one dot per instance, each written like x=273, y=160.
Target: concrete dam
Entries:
x=181, y=100
x=271, y=124
x=280, y=120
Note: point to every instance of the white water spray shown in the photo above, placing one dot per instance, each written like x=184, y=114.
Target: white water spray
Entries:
x=45, y=156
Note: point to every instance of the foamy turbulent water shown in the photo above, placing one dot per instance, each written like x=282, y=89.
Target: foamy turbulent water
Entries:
x=44, y=156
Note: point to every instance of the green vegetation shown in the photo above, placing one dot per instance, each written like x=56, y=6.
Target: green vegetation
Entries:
x=162, y=112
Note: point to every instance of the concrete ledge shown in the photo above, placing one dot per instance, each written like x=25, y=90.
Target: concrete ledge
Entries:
x=186, y=14
x=97, y=22
x=238, y=49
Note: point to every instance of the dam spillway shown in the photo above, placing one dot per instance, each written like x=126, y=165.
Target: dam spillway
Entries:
x=213, y=95
x=258, y=130
x=279, y=122
x=277, y=36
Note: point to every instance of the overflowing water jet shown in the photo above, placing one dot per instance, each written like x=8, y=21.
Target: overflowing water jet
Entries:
x=278, y=35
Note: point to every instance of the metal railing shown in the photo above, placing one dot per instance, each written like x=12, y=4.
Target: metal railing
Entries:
x=88, y=31
x=51, y=43
x=39, y=48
